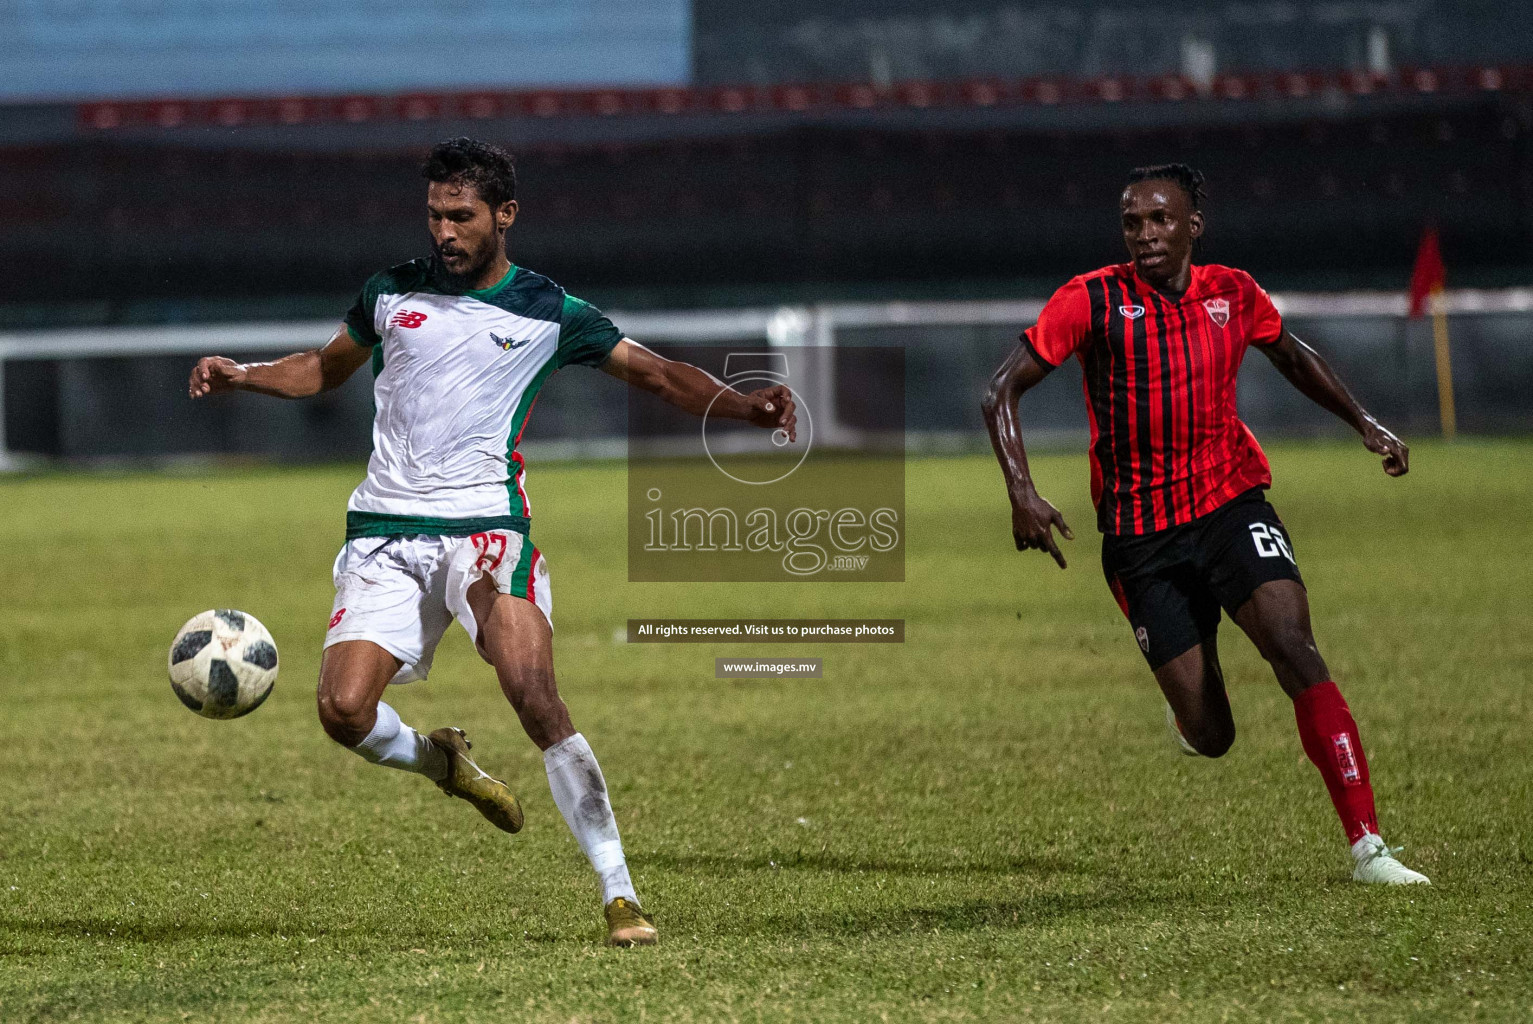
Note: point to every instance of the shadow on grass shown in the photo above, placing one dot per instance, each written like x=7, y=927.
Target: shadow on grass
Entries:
x=887, y=919
x=842, y=863
x=383, y=936
x=878, y=916
x=1001, y=912
x=1016, y=881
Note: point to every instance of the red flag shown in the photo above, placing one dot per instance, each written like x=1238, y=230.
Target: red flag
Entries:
x=1429, y=273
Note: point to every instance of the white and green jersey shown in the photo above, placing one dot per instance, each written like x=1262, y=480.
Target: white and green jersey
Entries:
x=456, y=374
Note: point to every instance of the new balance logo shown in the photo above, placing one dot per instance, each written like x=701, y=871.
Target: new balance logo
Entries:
x=507, y=344
x=407, y=318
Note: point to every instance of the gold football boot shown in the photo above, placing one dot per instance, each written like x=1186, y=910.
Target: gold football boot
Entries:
x=629, y=925
x=465, y=779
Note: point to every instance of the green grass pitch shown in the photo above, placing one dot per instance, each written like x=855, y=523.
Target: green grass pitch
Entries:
x=986, y=823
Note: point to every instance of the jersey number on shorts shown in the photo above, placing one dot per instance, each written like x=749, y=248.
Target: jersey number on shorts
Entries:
x=1270, y=542
x=491, y=548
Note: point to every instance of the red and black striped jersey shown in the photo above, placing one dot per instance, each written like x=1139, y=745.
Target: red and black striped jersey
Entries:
x=1166, y=443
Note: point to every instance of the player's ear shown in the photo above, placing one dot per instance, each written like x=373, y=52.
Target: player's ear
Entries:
x=1195, y=224
x=506, y=215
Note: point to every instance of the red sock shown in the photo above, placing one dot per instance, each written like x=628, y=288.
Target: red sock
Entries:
x=1330, y=739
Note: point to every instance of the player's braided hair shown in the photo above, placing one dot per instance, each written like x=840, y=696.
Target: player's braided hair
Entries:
x=465, y=161
x=1190, y=179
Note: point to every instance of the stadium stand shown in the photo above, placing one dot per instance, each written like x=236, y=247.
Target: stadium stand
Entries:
x=968, y=191
x=886, y=41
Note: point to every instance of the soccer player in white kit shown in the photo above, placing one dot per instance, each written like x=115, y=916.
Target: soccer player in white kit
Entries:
x=460, y=342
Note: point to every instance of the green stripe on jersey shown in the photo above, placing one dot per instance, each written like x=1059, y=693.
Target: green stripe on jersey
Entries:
x=519, y=423
x=380, y=524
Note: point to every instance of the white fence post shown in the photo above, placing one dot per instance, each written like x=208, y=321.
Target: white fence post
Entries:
x=7, y=461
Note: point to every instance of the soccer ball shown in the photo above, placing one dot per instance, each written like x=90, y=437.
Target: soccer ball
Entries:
x=223, y=664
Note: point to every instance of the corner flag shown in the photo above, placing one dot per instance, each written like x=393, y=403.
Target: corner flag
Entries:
x=1427, y=279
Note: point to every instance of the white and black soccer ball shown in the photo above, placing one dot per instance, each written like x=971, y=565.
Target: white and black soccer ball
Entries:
x=223, y=664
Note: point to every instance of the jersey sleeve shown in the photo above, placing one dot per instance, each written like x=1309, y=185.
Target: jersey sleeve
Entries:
x=1064, y=326
x=586, y=336
x=359, y=318
x=1266, y=321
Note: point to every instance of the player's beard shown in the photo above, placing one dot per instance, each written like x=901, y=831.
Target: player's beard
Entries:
x=462, y=280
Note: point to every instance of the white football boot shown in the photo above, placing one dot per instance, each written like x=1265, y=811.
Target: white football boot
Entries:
x=1176, y=734
x=1376, y=864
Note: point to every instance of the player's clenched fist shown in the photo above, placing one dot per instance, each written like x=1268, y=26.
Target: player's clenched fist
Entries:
x=1032, y=521
x=1397, y=457
x=213, y=374
x=773, y=407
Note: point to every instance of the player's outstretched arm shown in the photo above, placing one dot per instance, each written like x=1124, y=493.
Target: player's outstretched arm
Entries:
x=296, y=376
x=687, y=387
x=1032, y=516
x=1315, y=379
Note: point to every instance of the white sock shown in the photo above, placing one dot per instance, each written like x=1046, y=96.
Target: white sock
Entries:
x=581, y=795
x=396, y=745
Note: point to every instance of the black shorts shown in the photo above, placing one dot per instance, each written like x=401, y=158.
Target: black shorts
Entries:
x=1172, y=583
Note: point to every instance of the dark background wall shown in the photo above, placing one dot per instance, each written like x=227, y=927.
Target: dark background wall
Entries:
x=876, y=197
x=120, y=231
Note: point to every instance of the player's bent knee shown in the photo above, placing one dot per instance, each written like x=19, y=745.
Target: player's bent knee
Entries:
x=346, y=718
x=543, y=708
x=1215, y=743
x=538, y=705
x=1211, y=735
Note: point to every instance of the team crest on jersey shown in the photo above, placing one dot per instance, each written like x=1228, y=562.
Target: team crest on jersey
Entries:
x=1143, y=636
x=507, y=344
x=1218, y=311
x=1132, y=312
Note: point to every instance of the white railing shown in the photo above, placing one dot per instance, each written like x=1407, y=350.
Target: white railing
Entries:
x=783, y=325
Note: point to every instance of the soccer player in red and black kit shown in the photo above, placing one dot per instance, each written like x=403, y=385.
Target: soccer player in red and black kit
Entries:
x=1178, y=481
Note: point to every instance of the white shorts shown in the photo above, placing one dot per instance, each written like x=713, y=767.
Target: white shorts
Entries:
x=403, y=592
